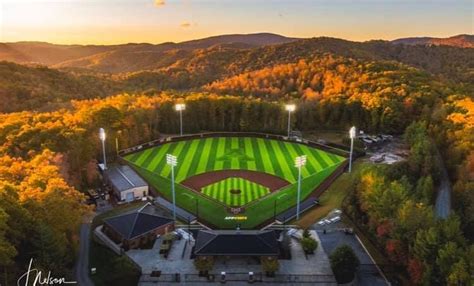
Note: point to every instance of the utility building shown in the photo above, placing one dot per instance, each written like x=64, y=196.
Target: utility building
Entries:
x=126, y=183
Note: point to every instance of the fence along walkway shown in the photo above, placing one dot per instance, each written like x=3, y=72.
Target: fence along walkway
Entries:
x=258, y=277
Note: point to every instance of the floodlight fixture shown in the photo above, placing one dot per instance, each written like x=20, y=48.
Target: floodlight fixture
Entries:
x=102, y=134
x=352, y=132
x=171, y=160
x=290, y=107
x=300, y=161
x=180, y=106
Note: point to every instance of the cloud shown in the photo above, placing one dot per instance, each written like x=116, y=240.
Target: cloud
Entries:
x=159, y=3
x=185, y=24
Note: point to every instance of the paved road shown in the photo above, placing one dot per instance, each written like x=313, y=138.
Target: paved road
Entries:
x=82, y=264
x=443, y=198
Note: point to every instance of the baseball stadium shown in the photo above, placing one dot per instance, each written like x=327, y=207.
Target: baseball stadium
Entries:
x=229, y=179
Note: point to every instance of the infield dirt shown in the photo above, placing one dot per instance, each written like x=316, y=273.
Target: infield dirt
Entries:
x=272, y=182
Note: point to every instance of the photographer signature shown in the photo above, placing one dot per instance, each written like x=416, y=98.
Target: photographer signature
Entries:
x=36, y=277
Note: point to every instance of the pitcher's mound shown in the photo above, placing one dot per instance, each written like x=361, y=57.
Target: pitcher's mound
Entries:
x=235, y=192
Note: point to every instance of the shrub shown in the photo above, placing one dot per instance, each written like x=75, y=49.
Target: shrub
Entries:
x=269, y=264
x=309, y=244
x=306, y=233
x=204, y=264
x=344, y=264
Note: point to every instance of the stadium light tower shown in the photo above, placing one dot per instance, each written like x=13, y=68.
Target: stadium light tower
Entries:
x=102, y=139
x=180, y=107
x=290, y=108
x=352, y=135
x=172, y=161
x=300, y=161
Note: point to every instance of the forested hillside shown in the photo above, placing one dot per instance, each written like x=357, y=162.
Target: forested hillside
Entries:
x=462, y=41
x=52, y=154
x=219, y=68
x=26, y=88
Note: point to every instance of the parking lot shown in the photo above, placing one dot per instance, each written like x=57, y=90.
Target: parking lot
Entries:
x=332, y=235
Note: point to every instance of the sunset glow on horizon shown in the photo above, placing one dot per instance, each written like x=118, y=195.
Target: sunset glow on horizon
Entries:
x=157, y=21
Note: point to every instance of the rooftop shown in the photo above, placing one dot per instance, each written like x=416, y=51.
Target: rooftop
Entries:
x=124, y=178
x=238, y=243
x=134, y=224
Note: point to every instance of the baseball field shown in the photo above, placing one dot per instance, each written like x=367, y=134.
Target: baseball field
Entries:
x=256, y=174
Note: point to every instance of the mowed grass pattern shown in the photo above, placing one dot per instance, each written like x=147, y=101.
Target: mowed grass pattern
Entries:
x=221, y=191
x=234, y=153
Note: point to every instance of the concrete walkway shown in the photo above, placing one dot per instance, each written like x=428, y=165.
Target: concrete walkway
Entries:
x=314, y=264
x=150, y=260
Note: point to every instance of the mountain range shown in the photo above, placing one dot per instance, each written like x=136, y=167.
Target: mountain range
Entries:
x=462, y=41
x=136, y=55
x=143, y=56
x=42, y=75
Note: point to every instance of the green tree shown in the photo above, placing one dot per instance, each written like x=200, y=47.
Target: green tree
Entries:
x=344, y=263
x=204, y=264
x=7, y=250
x=49, y=249
x=269, y=264
x=309, y=244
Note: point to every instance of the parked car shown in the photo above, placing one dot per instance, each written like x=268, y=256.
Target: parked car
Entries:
x=348, y=231
x=321, y=223
x=335, y=219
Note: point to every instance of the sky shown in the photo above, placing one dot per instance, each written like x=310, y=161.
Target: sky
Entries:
x=157, y=21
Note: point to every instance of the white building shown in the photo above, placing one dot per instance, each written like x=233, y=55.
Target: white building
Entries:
x=126, y=184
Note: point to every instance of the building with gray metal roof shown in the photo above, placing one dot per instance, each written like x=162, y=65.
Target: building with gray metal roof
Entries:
x=126, y=183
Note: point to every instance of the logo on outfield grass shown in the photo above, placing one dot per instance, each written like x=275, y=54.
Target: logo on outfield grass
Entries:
x=235, y=154
x=235, y=218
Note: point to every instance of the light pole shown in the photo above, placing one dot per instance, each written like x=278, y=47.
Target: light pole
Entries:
x=300, y=161
x=352, y=135
x=117, y=141
x=180, y=107
x=172, y=161
x=290, y=108
x=102, y=139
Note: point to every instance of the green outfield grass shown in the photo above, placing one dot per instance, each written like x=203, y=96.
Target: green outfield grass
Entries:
x=248, y=191
x=199, y=156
